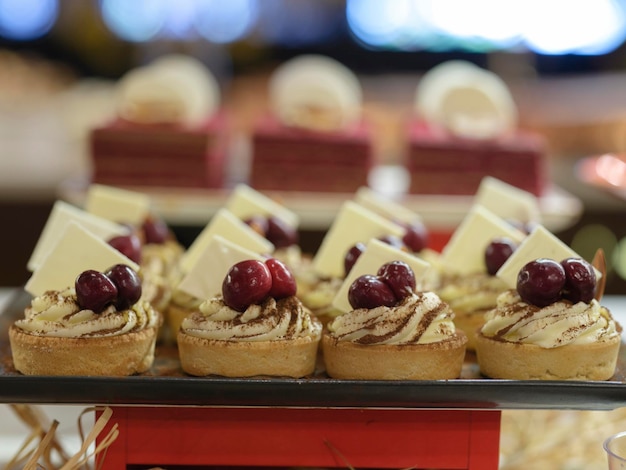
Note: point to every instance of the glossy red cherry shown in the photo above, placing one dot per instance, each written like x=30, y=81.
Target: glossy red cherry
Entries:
x=580, y=280
x=352, y=255
x=128, y=245
x=283, y=282
x=128, y=285
x=94, y=291
x=497, y=252
x=155, y=230
x=370, y=292
x=400, y=277
x=416, y=237
x=247, y=282
x=280, y=234
x=540, y=282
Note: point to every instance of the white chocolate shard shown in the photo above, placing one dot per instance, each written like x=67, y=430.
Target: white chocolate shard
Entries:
x=540, y=243
x=508, y=201
x=230, y=227
x=315, y=92
x=61, y=215
x=465, y=251
x=77, y=250
x=385, y=206
x=117, y=204
x=353, y=223
x=220, y=254
x=375, y=255
x=246, y=202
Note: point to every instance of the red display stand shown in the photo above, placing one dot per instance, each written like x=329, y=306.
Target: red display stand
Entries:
x=304, y=437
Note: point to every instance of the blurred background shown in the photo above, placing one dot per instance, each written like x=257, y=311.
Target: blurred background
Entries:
x=565, y=63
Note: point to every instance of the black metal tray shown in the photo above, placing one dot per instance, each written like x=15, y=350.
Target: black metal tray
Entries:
x=167, y=385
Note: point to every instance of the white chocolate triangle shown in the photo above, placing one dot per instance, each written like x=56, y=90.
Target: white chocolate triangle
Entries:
x=540, y=243
x=61, y=215
x=507, y=201
x=245, y=202
x=375, y=255
x=228, y=226
x=205, y=276
x=465, y=251
x=117, y=204
x=385, y=206
x=353, y=223
x=77, y=250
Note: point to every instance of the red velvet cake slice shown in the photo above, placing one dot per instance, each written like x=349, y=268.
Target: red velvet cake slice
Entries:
x=441, y=163
x=314, y=138
x=465, y=128
x=169, y=155
x=297, y=159
x=169, y=130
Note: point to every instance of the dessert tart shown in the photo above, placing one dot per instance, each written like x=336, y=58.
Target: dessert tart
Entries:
x=257, y=326
x=99, y=327
x=158, y=255
x=180, y=306
x=551, y=327
x=470, y=297
x=477, y=249
x=393, y=332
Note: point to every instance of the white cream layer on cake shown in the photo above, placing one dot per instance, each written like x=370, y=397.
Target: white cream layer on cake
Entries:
x=471, y=293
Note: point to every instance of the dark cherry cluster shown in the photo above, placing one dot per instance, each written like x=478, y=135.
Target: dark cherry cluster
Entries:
x=274, y=229
x=393, y=282
x=544, y=281
x=119, y=285
x=152, y=231
x=414, y=240
x=252, y=281
x=497, y=252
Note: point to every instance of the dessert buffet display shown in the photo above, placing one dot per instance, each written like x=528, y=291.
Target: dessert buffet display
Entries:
x=375, y=307
x=313, y=134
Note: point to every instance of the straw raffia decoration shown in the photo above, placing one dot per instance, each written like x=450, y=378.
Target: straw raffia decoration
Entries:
x=39, y=447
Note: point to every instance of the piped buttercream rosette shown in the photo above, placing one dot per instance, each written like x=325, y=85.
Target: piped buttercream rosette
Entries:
x=172, y=89
x=315, y=92
x=466, y=100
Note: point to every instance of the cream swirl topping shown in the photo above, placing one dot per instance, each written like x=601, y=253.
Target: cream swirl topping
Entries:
x=57, y=314
x=162, y=259
x=471, y=293
x=556, y=325
x=421, y=318
x=185, y=300
x=270, y=321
